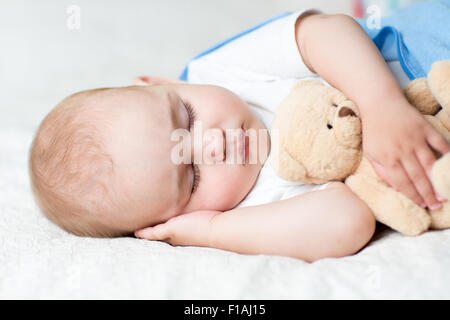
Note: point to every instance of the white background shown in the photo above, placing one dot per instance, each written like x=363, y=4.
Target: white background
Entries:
x=41, y=58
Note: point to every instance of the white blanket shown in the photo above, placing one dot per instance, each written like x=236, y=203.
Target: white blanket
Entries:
x=41, y=62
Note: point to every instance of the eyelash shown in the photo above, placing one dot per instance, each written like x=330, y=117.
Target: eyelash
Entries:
x=196, y=177
x=192, y=116
x=191, y=113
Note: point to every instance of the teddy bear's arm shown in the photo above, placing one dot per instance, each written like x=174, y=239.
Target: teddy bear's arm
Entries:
x=389, y=206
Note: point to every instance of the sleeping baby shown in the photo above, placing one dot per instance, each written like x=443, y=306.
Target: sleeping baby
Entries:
x=186, y=161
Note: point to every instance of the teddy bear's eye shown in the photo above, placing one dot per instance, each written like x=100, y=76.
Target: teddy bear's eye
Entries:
x=329, y=126
x=334, y=105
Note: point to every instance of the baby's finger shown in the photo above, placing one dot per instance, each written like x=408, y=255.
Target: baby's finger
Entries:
x=427, y=158
x=420, y=179
x=158, y=232
x=150, y=81
x=400, y=181
x=380, y=170
x=438, y=142
x=141, y=81
x=146, y=233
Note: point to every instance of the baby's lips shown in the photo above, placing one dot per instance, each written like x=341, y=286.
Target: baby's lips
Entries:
x=247, y=148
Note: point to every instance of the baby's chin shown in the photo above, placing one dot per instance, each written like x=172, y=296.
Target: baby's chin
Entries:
x=252, y=185
x=242, y=187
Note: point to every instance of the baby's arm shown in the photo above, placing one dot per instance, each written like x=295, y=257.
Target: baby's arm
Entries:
x=396, y=138
x=328, y=223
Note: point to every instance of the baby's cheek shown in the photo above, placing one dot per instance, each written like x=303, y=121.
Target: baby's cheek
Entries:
x=225, y=188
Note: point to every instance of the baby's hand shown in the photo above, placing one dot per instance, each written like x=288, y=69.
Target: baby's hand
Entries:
x=189, y=229
x=399, y=145
x=152, y=81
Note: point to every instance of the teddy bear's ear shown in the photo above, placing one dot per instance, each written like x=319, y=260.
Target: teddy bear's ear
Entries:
x=308, y=83
x=439, y=83
x=345, y=112
x=419, y=95
x=440, y=175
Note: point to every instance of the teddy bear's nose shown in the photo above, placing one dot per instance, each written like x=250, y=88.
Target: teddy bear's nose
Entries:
x=345, y=111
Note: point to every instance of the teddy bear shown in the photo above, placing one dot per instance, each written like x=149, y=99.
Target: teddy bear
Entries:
x=317, y=135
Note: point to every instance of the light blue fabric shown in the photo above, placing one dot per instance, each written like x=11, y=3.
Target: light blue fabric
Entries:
x=416, y=35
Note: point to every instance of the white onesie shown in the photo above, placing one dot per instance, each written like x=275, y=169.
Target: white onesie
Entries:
x=260, y=66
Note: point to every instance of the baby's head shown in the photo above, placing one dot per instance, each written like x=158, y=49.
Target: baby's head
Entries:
x=106, y=162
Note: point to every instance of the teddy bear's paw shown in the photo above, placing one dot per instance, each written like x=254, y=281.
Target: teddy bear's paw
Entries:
x=439, y=83
x=440, y=176
x=440, y=219
x=419, y=95
x=414, y=226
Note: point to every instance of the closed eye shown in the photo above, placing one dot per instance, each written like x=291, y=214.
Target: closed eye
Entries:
x=196, y=180
x=191, y=114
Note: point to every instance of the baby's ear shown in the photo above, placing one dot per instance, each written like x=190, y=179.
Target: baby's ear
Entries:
x=152, y=81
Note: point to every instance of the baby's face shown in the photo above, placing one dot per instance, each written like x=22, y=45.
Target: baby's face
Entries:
x=154, y=128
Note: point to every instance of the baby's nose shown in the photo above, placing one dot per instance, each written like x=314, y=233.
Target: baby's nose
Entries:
x=214, y=145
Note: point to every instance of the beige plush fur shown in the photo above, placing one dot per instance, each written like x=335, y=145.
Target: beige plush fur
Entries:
x=319, y=139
